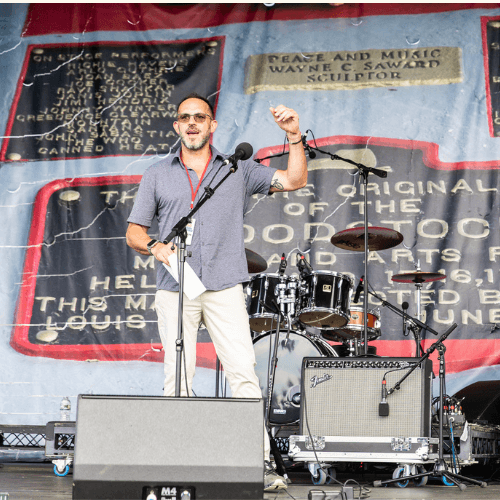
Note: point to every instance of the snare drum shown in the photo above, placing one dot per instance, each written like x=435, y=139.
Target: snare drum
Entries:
x=325, y=299
x=356, y=326
x=285, y=403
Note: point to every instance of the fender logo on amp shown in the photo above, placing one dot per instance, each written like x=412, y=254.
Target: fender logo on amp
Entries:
x=318, y=380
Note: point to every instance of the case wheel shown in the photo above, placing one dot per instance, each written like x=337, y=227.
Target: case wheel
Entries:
x=320, y=478
x=61, y=472
x=399, y=472
x=421, y=481
x=332, y=475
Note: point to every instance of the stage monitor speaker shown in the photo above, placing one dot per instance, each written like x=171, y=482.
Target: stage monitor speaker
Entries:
x=341, y=397
x=159, y=448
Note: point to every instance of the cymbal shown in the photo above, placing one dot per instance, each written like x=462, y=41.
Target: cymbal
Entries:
x=256, y=264
x=379, y=238
x=418, y=277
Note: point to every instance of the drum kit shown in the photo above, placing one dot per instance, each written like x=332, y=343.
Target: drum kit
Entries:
x=299, y=316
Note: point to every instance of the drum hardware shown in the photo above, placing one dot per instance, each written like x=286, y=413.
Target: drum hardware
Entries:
x=354, y=348
x=418, y=278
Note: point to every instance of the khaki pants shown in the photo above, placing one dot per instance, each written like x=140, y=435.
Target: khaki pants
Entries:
x=225, y=316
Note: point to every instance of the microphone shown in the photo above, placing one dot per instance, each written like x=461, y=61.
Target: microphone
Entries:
x=358, y=289
x=242, y=152
x=308, y=148
x=383, y=407
x=405, y=306
x=282, y=267
x=303, y=265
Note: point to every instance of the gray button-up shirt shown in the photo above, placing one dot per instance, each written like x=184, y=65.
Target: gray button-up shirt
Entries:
x=218, y=251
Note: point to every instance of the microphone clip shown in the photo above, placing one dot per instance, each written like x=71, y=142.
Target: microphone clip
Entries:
x=283, y=263
x=359, y=289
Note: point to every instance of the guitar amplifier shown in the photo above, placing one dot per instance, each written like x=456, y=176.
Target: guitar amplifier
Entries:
x=341, y=397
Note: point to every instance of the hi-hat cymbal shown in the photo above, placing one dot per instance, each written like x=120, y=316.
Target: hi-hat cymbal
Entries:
x=418, y=277
x=256, y=264
x=379, y=238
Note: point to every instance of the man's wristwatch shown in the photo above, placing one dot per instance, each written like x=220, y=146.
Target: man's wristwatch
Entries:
x=151, y=244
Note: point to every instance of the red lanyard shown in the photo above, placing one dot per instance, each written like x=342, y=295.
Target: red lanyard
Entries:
x=193, y=192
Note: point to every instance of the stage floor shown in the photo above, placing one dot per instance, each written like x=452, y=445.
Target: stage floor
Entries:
x=30, y=481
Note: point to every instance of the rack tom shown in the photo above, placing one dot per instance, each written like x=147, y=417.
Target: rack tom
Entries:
x=262, y=301
x=325, y=299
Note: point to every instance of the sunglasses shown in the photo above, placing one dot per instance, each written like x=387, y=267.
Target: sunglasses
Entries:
x=198, y=117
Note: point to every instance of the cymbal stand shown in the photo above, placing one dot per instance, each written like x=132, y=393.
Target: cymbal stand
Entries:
x=271, y=373
x=220, y=379
x=440, y=468
x=363, y=172
x=412, y=326
x=415, y=328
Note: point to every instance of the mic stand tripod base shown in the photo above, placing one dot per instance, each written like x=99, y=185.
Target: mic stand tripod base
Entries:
x=440, y=470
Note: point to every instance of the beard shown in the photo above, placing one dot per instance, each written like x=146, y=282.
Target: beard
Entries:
x=195, y=146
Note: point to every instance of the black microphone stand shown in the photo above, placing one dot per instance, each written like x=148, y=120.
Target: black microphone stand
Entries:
x=179, y=230
x=440, y=468
x=364, y=171
x=271, y=374
x=414, y=322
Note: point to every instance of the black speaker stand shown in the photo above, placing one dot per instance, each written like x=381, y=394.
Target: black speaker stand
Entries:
x=440, y=469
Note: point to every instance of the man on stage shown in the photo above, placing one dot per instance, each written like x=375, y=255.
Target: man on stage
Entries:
x=168, y=190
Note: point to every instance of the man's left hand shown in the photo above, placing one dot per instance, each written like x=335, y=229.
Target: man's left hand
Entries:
x=286, y=118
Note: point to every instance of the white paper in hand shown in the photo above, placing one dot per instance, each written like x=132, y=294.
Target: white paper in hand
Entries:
x=193, y=287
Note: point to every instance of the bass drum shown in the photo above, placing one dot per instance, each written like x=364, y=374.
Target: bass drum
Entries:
x=285, y=404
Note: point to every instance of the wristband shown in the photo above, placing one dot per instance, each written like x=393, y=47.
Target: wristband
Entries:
x=292, y=143
x=151, y=244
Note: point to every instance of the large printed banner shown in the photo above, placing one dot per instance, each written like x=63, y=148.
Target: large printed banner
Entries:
x=80, y=307
x=89, y=95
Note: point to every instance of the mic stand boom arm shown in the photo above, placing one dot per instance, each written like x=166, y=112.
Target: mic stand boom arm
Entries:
x=369, y=170
x=429, y=351
x=403, y=314
x=209, y=192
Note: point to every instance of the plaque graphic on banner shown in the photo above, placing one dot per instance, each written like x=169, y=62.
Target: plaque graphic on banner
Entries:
x=107, y=98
